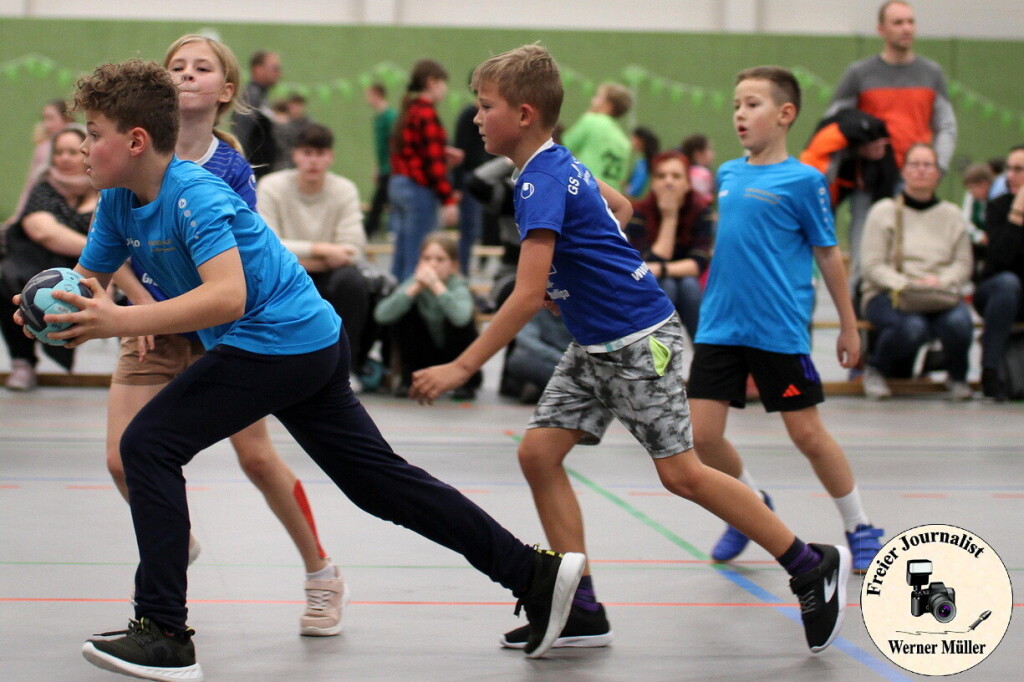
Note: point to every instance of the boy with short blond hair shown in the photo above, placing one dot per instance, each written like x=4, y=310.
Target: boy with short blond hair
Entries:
x=626, y=360
x=274, y=346
x=775, y=219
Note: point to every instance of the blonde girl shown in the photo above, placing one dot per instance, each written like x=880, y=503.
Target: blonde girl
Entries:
x=208, y=78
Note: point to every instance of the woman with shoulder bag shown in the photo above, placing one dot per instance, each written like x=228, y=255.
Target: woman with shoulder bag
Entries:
x=916, y=259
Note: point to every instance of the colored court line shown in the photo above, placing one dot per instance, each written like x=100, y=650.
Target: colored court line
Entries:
x=75, y=600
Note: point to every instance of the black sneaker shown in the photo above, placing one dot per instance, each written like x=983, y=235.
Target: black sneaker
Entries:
x=145, y=651
x=549, y=597
x=822, y=595
x=583, y=629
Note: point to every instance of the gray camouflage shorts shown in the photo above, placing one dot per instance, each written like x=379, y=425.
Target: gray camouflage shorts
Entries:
x=641, y=385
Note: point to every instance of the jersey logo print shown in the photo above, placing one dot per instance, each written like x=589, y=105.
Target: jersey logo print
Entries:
x=527, y=190
x=791, y=392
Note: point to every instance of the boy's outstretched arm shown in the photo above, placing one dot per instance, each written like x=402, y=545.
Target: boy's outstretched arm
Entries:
x=830, y=262
x=526, y=299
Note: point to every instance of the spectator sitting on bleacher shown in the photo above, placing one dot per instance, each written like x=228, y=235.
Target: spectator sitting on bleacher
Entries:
x=430, y=316
x=533, y=355
x=673, y=230
x=936, y=253
x=49, y=233
x=316, y=214
x=998, y=298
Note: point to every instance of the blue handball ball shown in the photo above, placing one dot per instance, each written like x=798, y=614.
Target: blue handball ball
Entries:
x=37, y=300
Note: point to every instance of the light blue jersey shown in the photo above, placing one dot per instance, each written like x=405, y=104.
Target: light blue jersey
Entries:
x=195, y=217
x=760, y=291
x=603, y=289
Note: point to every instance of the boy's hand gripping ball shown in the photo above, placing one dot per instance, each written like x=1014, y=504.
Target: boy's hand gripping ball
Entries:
x=37, y=300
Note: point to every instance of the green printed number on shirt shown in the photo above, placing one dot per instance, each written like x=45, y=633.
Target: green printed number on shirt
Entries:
x=661, y=355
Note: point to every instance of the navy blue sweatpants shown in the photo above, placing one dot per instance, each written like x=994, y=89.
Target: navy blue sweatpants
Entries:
x=229, y=389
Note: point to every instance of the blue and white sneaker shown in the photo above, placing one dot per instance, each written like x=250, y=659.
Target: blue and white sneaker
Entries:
x=732, y=541
x=864, y=545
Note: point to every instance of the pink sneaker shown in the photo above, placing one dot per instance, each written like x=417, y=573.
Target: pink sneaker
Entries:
x=325, y=602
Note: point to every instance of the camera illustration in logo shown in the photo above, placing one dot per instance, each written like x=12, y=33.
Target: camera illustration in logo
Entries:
x=936, y=598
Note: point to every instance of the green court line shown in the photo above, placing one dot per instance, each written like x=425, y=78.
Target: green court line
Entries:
x=639, y=515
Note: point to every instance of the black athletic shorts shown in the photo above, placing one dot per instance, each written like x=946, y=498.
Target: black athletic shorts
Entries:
x=785, y=382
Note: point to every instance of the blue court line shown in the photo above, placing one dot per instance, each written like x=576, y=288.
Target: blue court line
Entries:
x=844, y=645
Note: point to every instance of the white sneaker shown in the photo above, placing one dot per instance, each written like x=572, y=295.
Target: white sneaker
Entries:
x=958, y=390
x=22, y=376
x=325, y=602
x=874, y=384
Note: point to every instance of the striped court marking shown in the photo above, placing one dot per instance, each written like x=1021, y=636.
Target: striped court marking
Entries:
x=791, y=612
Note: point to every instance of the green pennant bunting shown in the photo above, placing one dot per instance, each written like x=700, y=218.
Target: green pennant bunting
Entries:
x=633, y=75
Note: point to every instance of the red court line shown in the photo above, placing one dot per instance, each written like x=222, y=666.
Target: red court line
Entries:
x=292, y=602
x=935, y=496
x=9, y=487
x=88, y=487
x=1008, y=496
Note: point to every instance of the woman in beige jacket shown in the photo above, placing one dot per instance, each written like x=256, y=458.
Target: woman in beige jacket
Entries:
x=936, y=253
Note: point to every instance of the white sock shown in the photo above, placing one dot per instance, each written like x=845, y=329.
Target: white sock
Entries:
x=851, y=509
x=328, y=572
x=746, y=479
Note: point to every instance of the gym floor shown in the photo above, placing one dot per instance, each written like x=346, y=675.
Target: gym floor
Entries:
x=418, y=611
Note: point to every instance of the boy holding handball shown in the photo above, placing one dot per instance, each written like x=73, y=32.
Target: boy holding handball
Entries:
x=274, y=346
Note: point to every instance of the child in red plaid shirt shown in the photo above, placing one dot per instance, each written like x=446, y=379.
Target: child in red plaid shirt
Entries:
x=420, y=158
